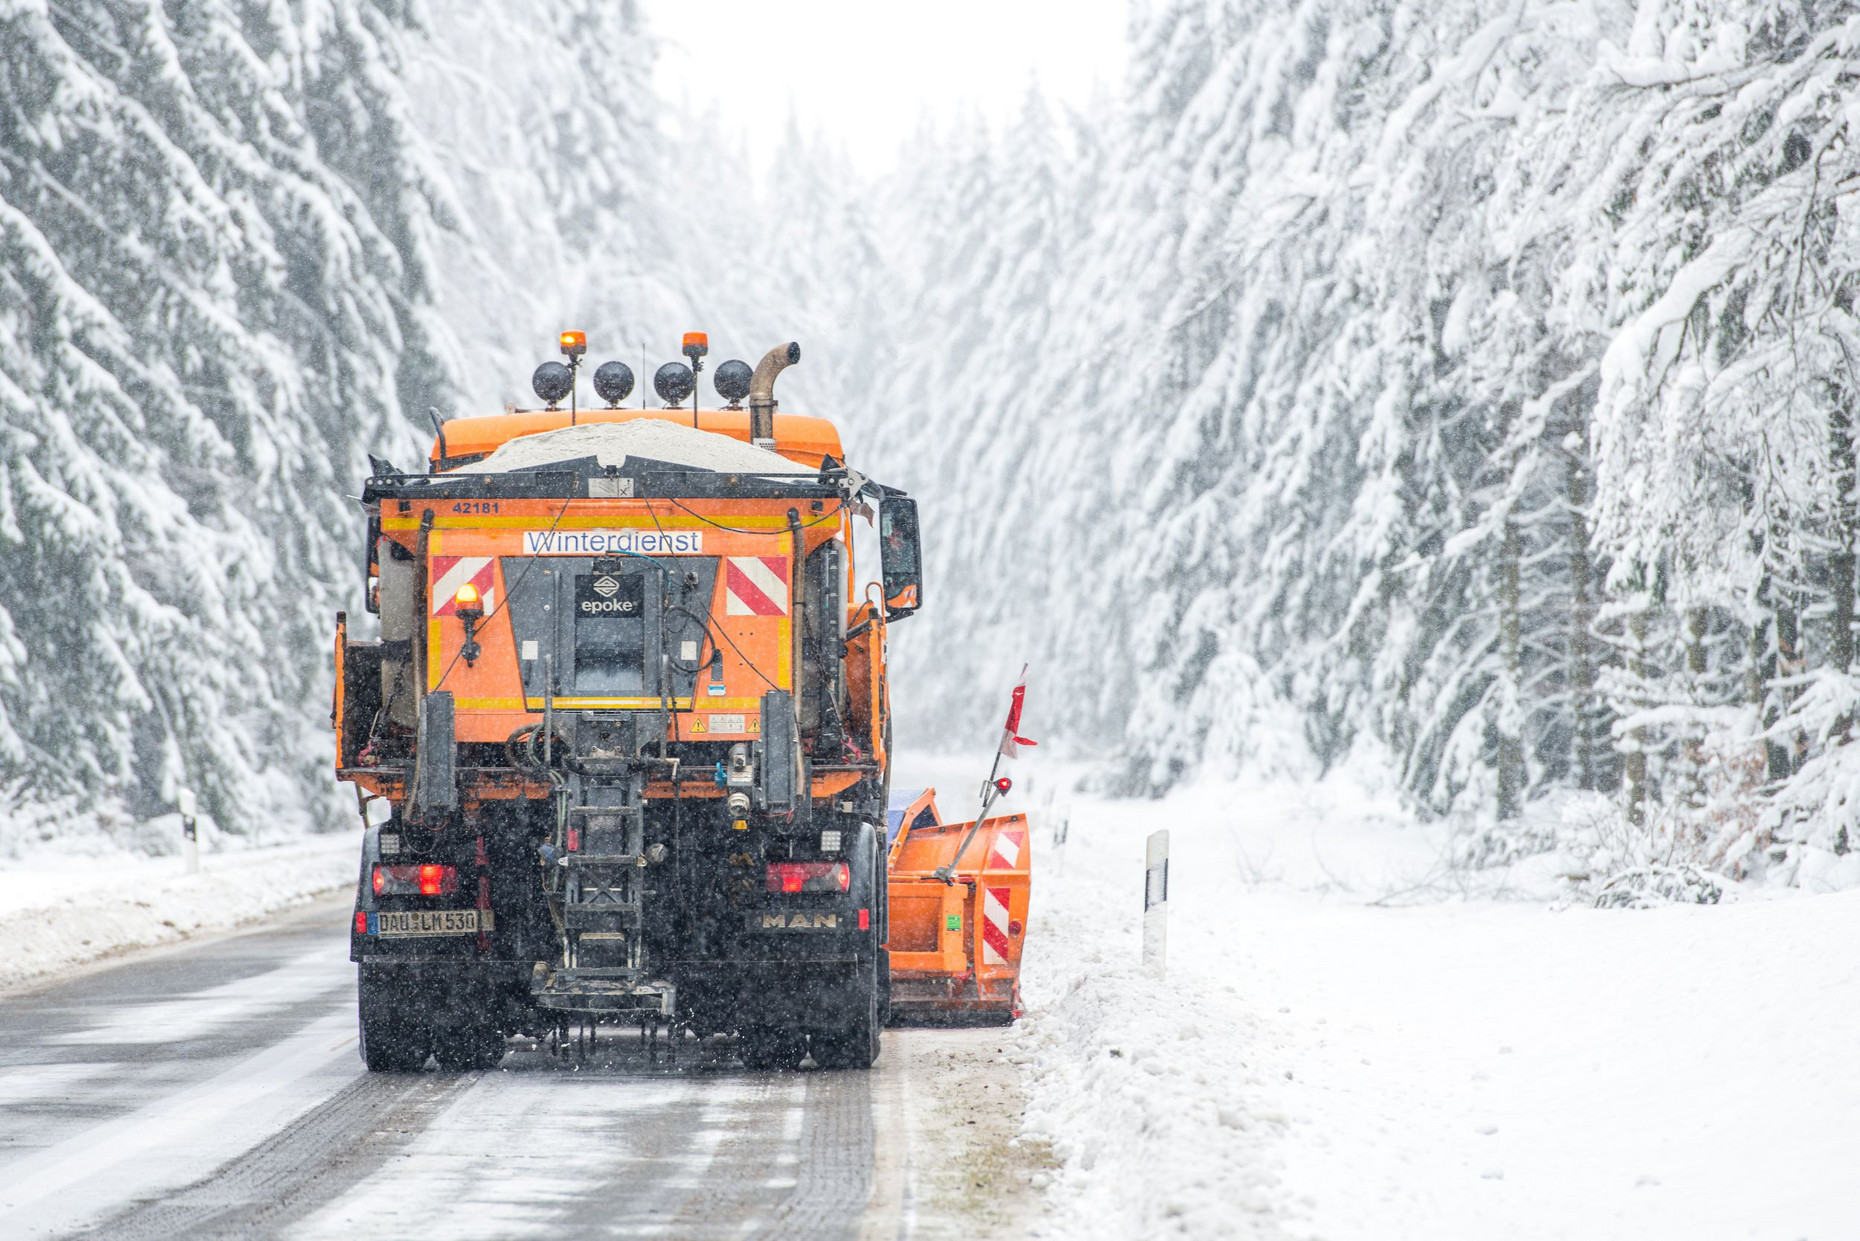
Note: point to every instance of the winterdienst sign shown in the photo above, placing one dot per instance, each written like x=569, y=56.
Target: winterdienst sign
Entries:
x=613, y=542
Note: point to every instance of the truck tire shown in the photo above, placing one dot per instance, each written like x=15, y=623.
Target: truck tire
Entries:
x=469, y=1047
x=854, y=1042
x=769, y=1049
x=389, y=1042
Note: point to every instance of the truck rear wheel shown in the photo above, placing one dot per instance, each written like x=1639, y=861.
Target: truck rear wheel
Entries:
x=854, y=1043
x=767, y=1049
x=469, y=1047
x=389, y=1042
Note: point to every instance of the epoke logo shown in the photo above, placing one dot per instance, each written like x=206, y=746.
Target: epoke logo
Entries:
x=609, y=595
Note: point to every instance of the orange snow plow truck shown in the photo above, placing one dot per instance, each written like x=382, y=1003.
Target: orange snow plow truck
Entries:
x=628, y=713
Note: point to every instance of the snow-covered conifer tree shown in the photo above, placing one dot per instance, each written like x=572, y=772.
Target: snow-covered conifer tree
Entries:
x=214, y=238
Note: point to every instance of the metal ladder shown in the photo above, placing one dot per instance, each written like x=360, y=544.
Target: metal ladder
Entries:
x=605, y=970
x=602, y=904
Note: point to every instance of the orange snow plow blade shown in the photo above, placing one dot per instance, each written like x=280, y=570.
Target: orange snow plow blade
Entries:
x=955, y=947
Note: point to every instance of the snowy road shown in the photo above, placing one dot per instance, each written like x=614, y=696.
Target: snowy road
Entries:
x=215, y=1091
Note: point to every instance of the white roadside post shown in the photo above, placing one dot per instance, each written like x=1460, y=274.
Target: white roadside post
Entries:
x=1156, y=904
x=190, y=838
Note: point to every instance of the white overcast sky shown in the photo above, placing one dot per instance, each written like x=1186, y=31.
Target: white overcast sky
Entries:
x=866, y=71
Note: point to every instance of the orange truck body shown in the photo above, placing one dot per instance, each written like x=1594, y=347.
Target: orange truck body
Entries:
x=757, y=654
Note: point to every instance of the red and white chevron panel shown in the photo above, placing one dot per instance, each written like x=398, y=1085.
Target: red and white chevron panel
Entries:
x=1006, y=853
x=755, y=586
x=452, y=572
x=995, y=926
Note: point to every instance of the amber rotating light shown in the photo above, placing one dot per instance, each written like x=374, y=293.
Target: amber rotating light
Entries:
x=469, y=605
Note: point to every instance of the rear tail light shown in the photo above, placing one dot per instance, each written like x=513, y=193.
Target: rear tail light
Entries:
x=809, y=877
x=425, y=880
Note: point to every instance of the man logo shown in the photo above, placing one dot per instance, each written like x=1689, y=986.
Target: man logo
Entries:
x=800, y=922
x=606, y=587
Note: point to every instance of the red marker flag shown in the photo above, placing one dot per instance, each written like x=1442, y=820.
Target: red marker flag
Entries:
x=1011, y=740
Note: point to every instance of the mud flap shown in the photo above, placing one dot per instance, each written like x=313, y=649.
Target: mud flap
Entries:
x=779, y=760
x=435, y=773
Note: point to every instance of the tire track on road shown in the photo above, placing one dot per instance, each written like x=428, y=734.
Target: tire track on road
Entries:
x=834, y=1181
x=797, y=1164
x=315, y=1159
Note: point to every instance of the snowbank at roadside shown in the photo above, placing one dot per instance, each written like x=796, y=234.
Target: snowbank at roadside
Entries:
x=1319, y=1065
x=59, y=910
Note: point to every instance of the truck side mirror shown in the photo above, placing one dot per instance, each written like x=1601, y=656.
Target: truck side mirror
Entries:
x=900, y=556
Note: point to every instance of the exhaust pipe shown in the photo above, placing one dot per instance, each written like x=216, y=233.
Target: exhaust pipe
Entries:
x=762, y=400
